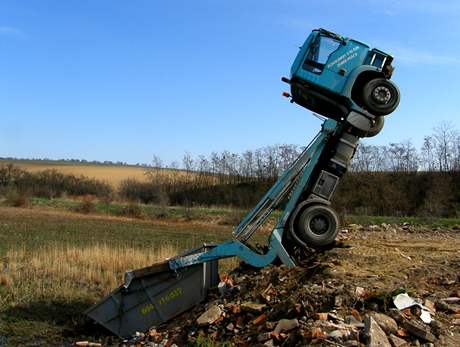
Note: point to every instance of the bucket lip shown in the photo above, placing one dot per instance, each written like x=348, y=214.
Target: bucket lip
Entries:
x=199, y=249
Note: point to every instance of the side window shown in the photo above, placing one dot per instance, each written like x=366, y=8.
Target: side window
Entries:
x=319, y=52
x=378, y=61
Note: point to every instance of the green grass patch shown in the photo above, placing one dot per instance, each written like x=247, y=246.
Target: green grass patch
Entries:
x=55, y=264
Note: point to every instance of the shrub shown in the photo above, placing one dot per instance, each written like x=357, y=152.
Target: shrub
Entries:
x=160, y=212
x=132, y=210
x=233, y=218
x=50, y=183
x=15, y=199
x=86, y=205
x=145, y=192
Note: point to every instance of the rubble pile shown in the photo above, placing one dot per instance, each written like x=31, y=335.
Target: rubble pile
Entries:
x=387, y=285
x=301, y=306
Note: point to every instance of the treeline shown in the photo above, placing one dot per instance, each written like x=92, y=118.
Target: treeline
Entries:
x=49, y=184
x=440, y=151
x=395, y=179
x=75, y=161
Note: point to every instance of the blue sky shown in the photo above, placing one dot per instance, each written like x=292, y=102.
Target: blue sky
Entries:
x=123, y=80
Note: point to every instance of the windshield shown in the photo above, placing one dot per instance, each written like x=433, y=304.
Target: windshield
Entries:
x=318, y=53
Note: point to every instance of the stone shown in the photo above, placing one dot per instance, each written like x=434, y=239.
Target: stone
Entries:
x=264, y=337
x=321, y=315
x=397, y=341
x=335, y=334
x=430, y=305
x=388, y=324
x=210, y=315
x=230, y=327
x=252, y=307
x=375, y=335
x=259, y=320
x=351, y=320
x=351, y=343
x=451, y=300
x=436, y=328
x=360, y=292
x=269, y=343
x=444, y=306
x=338, y=301
x=225, y=289
x=397, y=315
x=285, y=325
x=418, y=329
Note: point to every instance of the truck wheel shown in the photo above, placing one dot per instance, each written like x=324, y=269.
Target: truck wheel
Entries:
x=317, y=225
x=380, y=96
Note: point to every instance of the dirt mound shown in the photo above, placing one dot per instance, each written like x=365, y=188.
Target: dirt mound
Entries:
x=341, y=297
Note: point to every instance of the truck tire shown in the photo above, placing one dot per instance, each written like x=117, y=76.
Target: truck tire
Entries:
x=380, y=96
x=317, y=226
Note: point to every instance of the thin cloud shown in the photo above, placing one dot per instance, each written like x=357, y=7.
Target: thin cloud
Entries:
x=410, y=56
x=395, y=7
x=10, y=31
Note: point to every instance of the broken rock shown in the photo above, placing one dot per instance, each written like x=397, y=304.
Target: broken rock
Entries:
x=285, y=325
x=375, y=335
x=252, y=307
x=397, y=341
x=418, y=329
x=388, y=324
x=264, y=337
x=209, y=316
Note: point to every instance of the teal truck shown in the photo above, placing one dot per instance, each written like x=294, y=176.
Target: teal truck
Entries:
x=348, y=84
x=333, y=75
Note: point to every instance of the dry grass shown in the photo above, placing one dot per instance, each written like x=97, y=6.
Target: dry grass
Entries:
x=112, y=174
x=53, y=273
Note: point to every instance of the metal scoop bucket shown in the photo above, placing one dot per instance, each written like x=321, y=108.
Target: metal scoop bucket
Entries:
x=153, y=295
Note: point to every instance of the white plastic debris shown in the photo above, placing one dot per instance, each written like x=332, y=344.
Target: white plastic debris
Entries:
x=403, y=301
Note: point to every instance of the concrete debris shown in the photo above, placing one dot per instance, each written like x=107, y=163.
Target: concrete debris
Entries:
x=451, y=300
x=418, y=329
x=388, y=324
x=252, y=307
x=397, y=341
x=403, y=301
x=375, y=335
x=312, y=305
x=285, y=325
x=210, y=316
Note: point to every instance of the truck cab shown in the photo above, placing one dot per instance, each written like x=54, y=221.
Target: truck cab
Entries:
x=333, y=75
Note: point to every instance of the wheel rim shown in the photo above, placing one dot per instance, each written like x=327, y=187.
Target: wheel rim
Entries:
x=319, y=225
x=381, y=94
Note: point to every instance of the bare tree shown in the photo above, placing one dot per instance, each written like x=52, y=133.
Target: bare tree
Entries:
x=428, y=159
x=445, y=136
x=157, y=162
x=187, y=161
x=363, y=159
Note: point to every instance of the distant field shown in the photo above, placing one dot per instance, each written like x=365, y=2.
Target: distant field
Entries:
x=112, y=174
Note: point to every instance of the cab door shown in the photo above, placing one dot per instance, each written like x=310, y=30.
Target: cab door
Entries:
x=314, y=67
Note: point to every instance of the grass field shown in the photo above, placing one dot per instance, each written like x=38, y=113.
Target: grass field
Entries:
x=55, y=264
